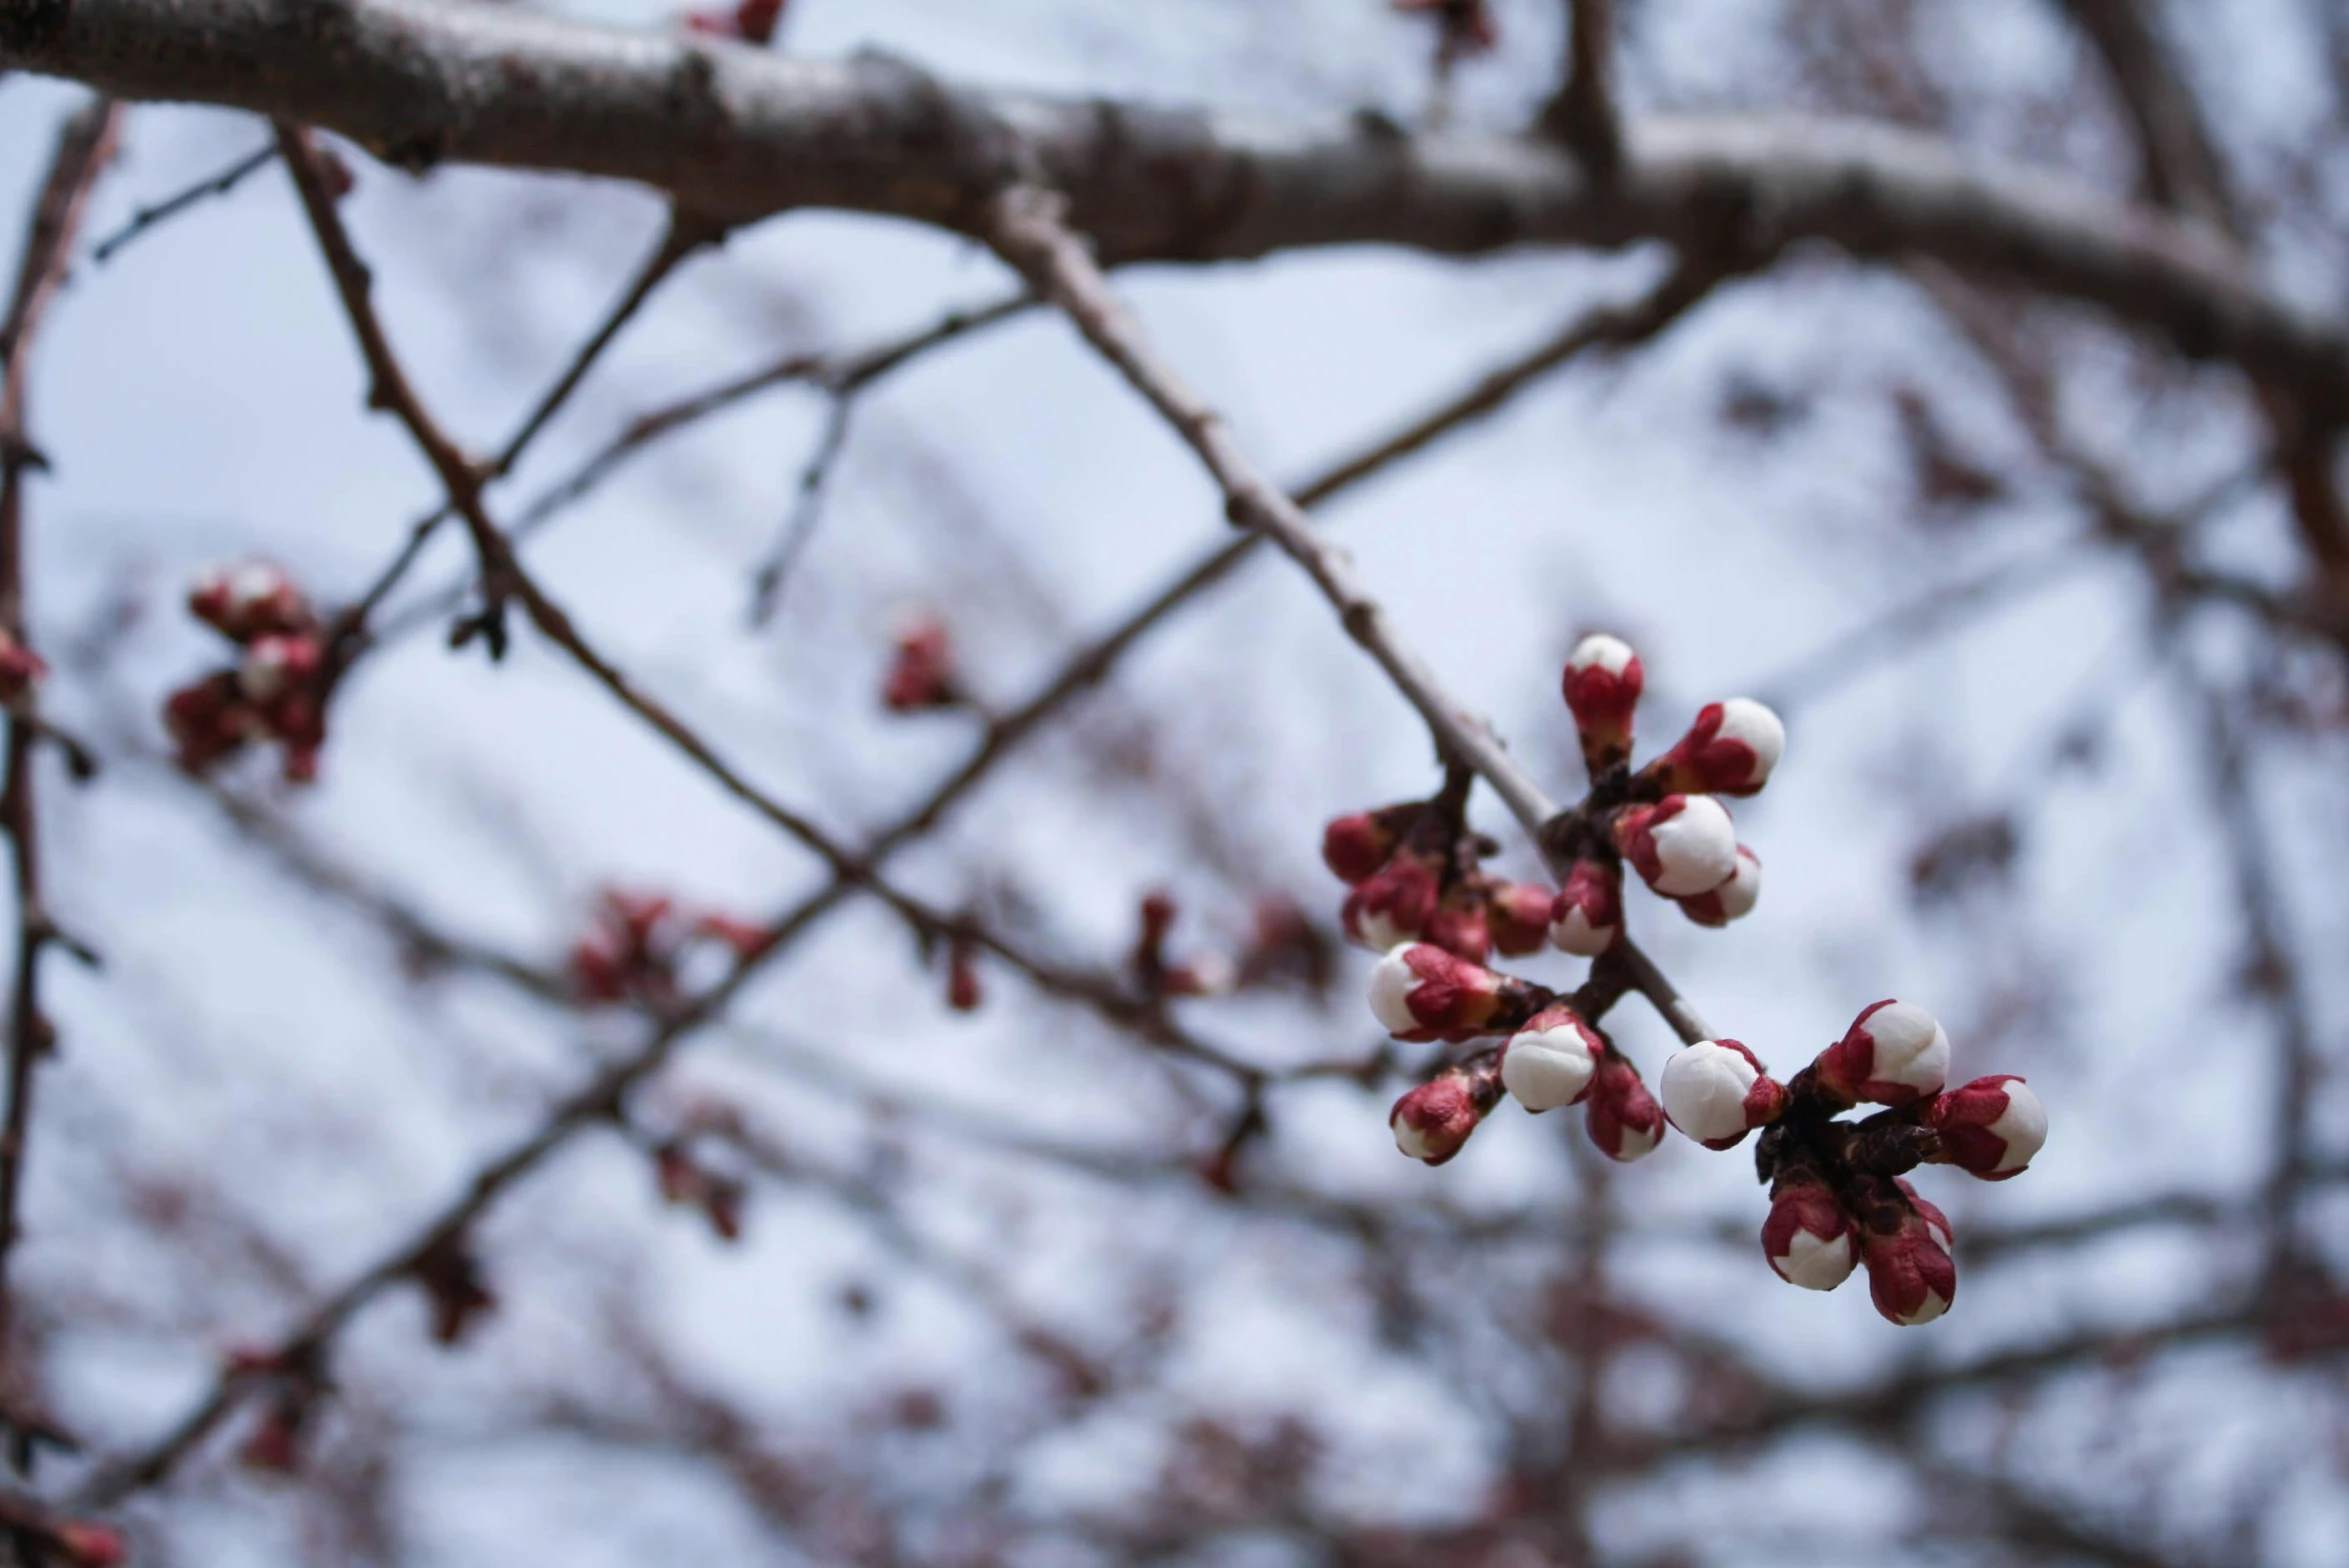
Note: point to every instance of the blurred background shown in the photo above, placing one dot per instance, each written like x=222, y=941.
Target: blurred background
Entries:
x=1030, y=1283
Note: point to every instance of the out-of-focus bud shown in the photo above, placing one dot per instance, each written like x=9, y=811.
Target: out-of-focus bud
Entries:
x=1893, y=1054
x=1730, y=750
x=90, y=1545
x=753, y=21
x=1550, y=1062
x=1716, y=1092
x=20, y=667
x=1587, y=915
x=1681, y=846
x=1433, y=1121
x=249, y=601
x=1395, y=905
x=1469, y=25
x=1602, y=686
x=1911, y=1276
x=746, y=938
x=1808, y=1238
x=208, y=721
x=1991, y=1127
x=1623, y=1119
x=455, y=1289
x=276, y=664
x=1420, y=992
x=962, y=976
x=1354, y=847
x=922, y=676
x=1518, y=915
x=1733, y=899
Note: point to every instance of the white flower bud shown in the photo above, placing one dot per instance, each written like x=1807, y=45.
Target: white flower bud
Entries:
x=1704, y=1089
x=1549, y=1063
x=1391, y=985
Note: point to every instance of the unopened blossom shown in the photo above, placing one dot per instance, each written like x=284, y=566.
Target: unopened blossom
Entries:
x=1911, y=1276
x=1462, y=922
x=1550, y=1062
x=1893, y=1054
x=1433, y=1122
x=922, y=674
x=753, y=21
x=1518, y=916
x=1731, y=749
x=1355, y=846
x=277, y=664
x=963, y=992
x=1420, y=992
x=1586, y=917
x=90, y=1545
x=1733, y=899
x=1681, y=846
x=1623, y=1119
x=1602, y=684
x=249, y=601
x=1716, y=1092
x=1991, y=1127
x=1394, y=905
x=20, y=667
x=1808, y=1239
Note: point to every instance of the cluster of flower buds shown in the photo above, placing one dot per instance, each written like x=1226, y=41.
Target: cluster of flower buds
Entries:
x=922, y=671
x=753, y=21
x=1469, y=26
x=633, y=949
x=1837, y=1194
x=20, y=667
x=274, y=692
x=1838, y=1200
x=1414, y=874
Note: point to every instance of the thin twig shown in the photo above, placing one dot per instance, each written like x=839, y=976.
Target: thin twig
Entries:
x=807, y=510
x=211, y=185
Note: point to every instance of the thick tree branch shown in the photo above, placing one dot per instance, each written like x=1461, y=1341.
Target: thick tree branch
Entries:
x=741, y=133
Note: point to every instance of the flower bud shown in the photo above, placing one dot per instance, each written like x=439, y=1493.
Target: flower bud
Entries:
x=1622, y=1117
x=1395, y=905
x=1602, y=686
x=20, y=667
x=208, y=721
x=1420, y=992
x=922, y=676
x=1990, y=1127
x=1461, y=923
x=1354, y=847
x=1681, y=846
x=1808, y=1239
x=1518, y=915
x=1894, y=1053
x=90, y=1545
x=1911, y=1277
x=1587, y=915
x=1550, y=1062
x=1733, y=899
x=1716, y=1092
x=275, y=664
x=963, y=993
x=248, y=601
x=1433, y=1121
x=1730, y=750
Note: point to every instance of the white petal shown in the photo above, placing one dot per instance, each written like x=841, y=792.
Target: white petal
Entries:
x=1547, y=1069
x=1817, y=1262
x=1575, y=934
x=1409, y=1139
x=1379, y=932
x=1696, y=850
x=1391, y=985
x=1911, y=1047
x=1930, y=1308
x=2022, y=1125
x=1601, y=651
x=1744, y=719
x=1743, y=890
x=1704, y=1089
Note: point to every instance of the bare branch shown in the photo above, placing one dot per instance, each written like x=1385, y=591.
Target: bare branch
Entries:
x=172, y=206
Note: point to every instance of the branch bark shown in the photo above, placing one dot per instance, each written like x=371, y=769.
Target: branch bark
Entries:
x=739, y=133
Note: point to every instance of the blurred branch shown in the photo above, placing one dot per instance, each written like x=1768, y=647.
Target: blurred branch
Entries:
x=1584, y=114
x=209, y=186
x=424, y=81
x=84, y=148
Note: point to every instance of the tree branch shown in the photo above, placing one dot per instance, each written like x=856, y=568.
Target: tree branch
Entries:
x=742, y=133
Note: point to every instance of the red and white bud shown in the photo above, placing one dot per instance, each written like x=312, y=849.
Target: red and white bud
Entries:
x=1518, y=915
x=1894, y=1054
x=1355, y=846
x=20, y=667
x=1911, y=1276
x=276, y=664
x=248, y=601
x=1990, y=1127
x=1461, y=923
x=1731, y=749
x=1550, y=1062
x=1420, y=992
x=1602, y=684
x=1733, y=899
x=1681, y=846
x=1394, y=905
x=90, y=1545
x=1716, y=1092
x=1623, y=1119
x=1433, y=1121
x=1587, y=915
x=1808, y=1238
